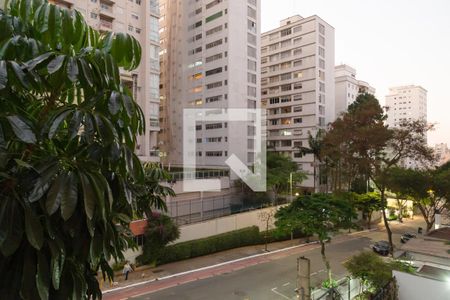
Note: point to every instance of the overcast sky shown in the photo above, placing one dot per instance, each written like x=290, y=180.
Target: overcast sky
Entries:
x=388, y=42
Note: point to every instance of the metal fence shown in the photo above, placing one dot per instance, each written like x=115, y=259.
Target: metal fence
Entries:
x=347, y=289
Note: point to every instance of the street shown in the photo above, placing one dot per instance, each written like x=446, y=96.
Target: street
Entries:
x=270, y=278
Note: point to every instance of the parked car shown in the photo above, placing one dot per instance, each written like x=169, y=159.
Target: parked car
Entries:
x=381, y=247
x=406, y=237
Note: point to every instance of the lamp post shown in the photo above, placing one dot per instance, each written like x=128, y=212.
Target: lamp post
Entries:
x=290, y=186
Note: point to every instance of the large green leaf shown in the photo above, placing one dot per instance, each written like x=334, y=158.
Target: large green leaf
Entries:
x=88, y=195
x=21, y=129
x=56, y=64
x=55, y=194
x=43, y=277
x=33, y=229
x=56, y=121
x=3, y=74
x=72, y=69
x=69, y=198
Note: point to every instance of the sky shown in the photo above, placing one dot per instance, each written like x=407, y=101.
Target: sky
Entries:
x=389, y=43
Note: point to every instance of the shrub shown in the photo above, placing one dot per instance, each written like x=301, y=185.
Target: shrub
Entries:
x=234, y=239
x=160, y=231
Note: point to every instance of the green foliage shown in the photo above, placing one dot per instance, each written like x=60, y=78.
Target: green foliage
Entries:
x=373, y=271
x=318, y=214
x=68, y=171
x=279, y=168
x=160, y=231
x=370, y=269
x=234, y=239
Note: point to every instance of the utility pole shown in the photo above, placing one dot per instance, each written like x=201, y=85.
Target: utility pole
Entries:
x=303, y=278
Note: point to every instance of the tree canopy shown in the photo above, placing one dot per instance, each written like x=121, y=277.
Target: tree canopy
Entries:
x=68, y=172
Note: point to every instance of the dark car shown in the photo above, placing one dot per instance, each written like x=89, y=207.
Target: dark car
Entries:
x=381, y=247
x=406, y=237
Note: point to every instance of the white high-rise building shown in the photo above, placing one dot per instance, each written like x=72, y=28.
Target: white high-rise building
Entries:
x=406, y=103
x=348, y=88
x=298, y=86
x=442, y=153
x=210, y=58
x=140, y=19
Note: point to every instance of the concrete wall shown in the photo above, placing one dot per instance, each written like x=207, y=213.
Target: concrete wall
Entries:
x=224, y=224
x=412, y=287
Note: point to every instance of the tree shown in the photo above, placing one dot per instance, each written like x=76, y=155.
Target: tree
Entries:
x=279, y=169
x=267, y=217
x=160, y=231
x=318, y=214
x=68, y=130
x=373, y=271
x=429, y=189
x=315, y=148
x=369, y=148
x=397, y=183
x=368, y=203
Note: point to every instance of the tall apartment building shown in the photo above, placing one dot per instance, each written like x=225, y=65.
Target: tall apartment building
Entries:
x=209, y=59
x=297, y=67
x=140, y=19
x=406, y=103
x=348, y=88
x=442, y=153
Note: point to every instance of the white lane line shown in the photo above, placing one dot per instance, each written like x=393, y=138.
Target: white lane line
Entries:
x=286, y=284
x=208, y=267
x=279, y=294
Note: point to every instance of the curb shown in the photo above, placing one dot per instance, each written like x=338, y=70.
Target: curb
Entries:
x=208, y=267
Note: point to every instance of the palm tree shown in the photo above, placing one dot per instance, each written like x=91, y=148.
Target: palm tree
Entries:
x=315, y=148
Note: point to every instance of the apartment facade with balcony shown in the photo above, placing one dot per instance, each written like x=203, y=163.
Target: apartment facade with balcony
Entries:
x=297, y=67
x=139, y=18
x=348, y=87
x=209, y=60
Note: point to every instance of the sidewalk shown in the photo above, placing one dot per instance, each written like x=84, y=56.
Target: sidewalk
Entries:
x=145, y=273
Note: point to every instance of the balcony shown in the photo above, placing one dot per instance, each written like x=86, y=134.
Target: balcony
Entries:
x=108, y=2
x=106, y=25
x=64, y=3
x=106, y=12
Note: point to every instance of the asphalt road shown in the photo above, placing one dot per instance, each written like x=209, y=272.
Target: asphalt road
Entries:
x=275, y=279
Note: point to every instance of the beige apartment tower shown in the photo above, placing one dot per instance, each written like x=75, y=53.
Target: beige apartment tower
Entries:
x=139, y=18
x=297, y=67
x=209, y=60
x=348, y=88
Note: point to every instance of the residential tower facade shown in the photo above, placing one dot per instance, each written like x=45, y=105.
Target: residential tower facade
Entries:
x=297, y=67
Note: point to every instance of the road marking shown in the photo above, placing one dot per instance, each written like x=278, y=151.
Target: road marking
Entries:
x=286, y=284
x=209, y=267
x=279, y=294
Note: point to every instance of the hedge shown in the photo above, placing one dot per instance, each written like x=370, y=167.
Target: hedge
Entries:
x=234, y=239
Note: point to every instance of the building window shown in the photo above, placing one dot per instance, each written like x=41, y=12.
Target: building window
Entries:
x=251, y=38
x=298, y=108
x=213, y=57
x=286, y=87
x=134, y=16
x=214, y=30
x=298, y=120
x=213, y=71
x=251, y=65
x=213, y=3
x=214, y=44
x=251, y=78
x=251, y=12
x=251, y=51
x=214, y=85
x=286, y=32
x=213, y=99
x=297, y=29
x=214, y=16
x=213, y=153
x=94, y=15
x=251, y=26
x=322, y=29
x=298, y=86
x=213, y=126
x=251, y=91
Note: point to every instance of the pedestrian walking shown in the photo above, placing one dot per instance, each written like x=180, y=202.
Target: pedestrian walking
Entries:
x=127, y=269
